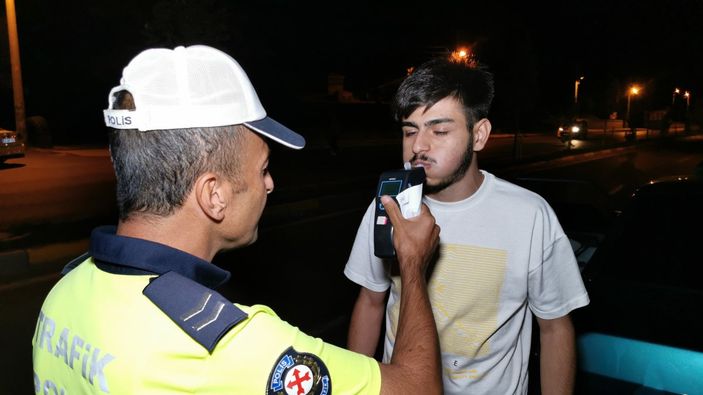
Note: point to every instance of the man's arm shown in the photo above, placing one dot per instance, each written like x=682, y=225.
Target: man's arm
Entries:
x=366, y=319
x=557, y=355
x=415, y=364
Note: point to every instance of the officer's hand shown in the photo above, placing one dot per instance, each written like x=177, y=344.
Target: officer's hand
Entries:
x=415, y=239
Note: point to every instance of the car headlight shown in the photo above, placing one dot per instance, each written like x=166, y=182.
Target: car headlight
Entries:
x=561, y=129
x=575, y=129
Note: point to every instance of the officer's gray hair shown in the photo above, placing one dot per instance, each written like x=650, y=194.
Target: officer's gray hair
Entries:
x=156, y=170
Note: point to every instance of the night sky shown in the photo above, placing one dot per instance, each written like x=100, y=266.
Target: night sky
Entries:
x=73, y=51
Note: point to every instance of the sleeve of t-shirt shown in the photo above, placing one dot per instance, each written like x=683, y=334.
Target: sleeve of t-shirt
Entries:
x=279, y=358
x=363, y=267
x=555, y=286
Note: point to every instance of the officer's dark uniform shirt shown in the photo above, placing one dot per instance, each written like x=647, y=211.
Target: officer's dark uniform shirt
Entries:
x=138, y=317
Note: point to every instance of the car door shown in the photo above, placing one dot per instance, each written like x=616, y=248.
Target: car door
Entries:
x=643, y=331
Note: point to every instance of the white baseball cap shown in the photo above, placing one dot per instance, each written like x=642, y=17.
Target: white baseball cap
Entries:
x=188, y=87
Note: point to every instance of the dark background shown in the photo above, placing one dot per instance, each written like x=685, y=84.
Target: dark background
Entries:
x=72, y=52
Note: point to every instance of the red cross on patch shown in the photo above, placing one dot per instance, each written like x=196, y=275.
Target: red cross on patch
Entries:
x=298, y=380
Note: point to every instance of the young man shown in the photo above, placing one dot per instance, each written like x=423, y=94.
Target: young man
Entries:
x=138, y=314
x=503, y=255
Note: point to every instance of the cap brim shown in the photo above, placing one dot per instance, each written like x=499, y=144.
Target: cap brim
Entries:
x=277, y=132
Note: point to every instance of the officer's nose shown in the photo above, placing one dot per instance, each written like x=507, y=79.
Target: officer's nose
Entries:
x=268, y=183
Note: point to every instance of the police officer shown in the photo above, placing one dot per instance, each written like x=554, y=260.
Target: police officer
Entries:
x=138, y=313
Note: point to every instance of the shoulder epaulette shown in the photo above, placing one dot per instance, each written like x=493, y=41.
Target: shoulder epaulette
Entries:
x=202, y=313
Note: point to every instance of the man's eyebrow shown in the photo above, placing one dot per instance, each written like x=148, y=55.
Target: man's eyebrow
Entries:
x=431, y=122
x=437, y=121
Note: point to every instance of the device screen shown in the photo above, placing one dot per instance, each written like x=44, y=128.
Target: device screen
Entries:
x=390, y=188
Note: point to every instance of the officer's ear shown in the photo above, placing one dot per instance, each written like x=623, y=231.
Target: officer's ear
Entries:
x=211, y=195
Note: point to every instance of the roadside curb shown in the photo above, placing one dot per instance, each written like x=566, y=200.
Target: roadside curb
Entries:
x=571, y=158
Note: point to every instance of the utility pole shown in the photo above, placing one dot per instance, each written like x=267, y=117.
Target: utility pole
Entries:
x=17, y=89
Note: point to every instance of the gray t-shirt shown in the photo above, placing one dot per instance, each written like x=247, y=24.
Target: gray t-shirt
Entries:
x=502, y=250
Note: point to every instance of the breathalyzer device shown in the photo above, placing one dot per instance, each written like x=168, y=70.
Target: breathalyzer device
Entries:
x=405, y=187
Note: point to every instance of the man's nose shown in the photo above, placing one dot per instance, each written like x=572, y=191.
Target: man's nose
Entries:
x=421, y=143
x=269, y=184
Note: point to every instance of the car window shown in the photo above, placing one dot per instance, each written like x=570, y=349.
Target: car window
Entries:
x=660, y=241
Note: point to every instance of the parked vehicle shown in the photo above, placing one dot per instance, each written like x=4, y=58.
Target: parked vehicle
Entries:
x=10, y=146
x=642, y=332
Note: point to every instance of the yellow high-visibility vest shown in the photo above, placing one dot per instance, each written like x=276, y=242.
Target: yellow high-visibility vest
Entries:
x=98, y=333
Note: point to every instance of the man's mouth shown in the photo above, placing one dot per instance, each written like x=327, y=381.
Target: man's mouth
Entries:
x=422, y=163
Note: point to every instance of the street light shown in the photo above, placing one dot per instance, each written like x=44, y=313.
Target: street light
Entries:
x=633, y=91
x=687, y=95
x=576, y=89
x=460, y=55
x=673, y=96
x=463, y=55
x=687, y=120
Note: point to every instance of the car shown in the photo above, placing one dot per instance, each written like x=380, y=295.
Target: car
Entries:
x=10, y=145
x=573, y=129
x=642, y=333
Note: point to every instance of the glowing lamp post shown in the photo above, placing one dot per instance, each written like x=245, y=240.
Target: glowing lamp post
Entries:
x=463, y=55
x=633, y=91
x=576, y=89
x=687, y=120
x=687, y=95
x=460, y=55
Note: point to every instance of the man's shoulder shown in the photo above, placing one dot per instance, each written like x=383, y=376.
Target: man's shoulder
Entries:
x=509, y=190
x=75, y=262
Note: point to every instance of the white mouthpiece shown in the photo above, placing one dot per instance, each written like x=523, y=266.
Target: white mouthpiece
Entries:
x=407, y=166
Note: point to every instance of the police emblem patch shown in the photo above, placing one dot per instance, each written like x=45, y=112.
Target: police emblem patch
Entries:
x=299, y=374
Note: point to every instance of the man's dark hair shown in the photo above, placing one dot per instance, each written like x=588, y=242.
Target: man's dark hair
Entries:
x=156, y=169
x=438, y=78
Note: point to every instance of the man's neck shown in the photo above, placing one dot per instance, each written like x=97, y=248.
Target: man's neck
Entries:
x=462, y=188
x=173, y=231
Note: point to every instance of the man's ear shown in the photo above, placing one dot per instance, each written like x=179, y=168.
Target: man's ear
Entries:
x=211, y=195
x=482, y=129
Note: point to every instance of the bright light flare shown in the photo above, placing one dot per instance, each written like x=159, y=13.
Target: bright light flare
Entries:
x=463, y=55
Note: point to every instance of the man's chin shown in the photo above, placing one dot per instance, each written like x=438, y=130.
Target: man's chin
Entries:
x=432, y=187
x=253, y=239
